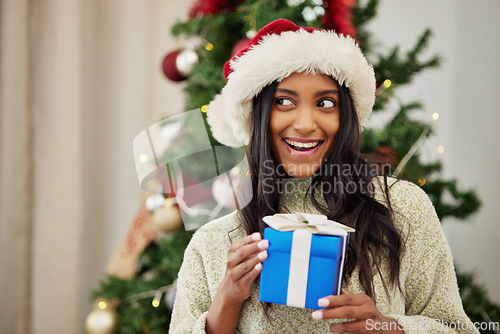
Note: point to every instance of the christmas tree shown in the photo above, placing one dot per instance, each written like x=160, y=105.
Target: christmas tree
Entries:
x=215, y=31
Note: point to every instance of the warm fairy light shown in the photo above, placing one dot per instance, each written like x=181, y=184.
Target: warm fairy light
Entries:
x=435, y=116
x=143, y=158
x=157, y=298
x=421, y=181
x=102, y=305
x=204, y=108
x=209, y=46
x=440, y=149
x=387, y=83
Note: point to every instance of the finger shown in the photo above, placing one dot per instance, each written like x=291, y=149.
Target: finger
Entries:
x=245, y=252
x=345, y=292
x=248, y=265
x=349, y=299
x=342, y=312
x=250, y=276
x=246, y=240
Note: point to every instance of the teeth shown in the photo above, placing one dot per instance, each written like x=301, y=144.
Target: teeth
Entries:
x=302, y=145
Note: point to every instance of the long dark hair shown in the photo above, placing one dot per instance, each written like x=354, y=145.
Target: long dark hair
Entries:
x=350, y=199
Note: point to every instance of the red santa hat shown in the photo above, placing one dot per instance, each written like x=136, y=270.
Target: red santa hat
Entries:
x=278, y=50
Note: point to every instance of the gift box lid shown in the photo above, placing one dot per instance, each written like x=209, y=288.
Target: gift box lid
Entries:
x=321, y=245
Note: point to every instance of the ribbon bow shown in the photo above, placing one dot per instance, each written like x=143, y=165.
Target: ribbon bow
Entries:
x=315, y=224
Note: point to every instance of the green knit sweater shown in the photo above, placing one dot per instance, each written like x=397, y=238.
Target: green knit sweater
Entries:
x=427, y=274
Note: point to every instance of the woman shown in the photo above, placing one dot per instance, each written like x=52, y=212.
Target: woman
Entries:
x=298, y=98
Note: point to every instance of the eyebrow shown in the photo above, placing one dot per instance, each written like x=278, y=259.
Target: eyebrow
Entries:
x=323, y=92
x=326, y=92
x=288, y=91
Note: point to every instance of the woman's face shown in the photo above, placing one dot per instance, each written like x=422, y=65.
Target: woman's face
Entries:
x=305, y=119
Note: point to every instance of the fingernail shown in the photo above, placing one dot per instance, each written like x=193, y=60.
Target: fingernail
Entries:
x=318, y=315
x=323, y=302
x=256, y=236
x=258, y=266
x=262, y=255
x=263, y=244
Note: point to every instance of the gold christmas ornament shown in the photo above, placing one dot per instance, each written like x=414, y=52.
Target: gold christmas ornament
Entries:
x=167, y=218
x=102, y=319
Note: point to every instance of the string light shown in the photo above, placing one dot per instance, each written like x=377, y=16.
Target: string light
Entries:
x=158, y=293
x=387, y=83
x=412, y=150
x=204, y=108
x=102, y=305
x=156, y=300
x=209, y=46
x=143, y=158
x=421, y=181
x=416, y=145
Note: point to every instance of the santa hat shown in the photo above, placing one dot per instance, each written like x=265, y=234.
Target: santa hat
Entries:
x=278, y=50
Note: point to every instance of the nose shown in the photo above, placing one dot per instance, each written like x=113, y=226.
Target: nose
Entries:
x=304, y=121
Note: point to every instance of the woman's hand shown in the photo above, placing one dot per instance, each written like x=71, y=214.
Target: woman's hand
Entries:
x=359, y=307
x=244, y=264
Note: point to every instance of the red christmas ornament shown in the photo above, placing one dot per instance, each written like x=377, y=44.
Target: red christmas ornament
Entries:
x=203, y=7
x=178, y=64
x=240, y=45
x=338, y=16
x=170, y=67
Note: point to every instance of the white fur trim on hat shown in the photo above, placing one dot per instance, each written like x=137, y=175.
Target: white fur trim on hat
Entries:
x=275, y=57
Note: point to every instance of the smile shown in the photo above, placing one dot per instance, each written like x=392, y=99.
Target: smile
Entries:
x=302, y=146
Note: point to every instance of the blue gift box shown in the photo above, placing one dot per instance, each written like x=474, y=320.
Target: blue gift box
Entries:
x=324, y=277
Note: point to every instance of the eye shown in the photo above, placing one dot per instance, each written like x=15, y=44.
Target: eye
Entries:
x=326, y=103
x=282, y=101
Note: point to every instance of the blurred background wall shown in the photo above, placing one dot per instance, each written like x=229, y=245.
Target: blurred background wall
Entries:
x=79, y=79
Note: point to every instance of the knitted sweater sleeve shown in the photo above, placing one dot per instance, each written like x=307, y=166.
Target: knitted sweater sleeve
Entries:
x=433, y=303
x=192, y=297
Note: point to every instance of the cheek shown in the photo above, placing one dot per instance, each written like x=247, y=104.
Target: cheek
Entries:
x=333, y=131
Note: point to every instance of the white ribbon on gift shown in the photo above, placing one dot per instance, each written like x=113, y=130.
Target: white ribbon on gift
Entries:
x=304, y=226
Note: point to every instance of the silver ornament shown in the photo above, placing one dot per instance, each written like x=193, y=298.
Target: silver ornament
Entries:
x=251, y=34
x=293, y=3
x=154, y=201
x=185, y=61
x=308, y=14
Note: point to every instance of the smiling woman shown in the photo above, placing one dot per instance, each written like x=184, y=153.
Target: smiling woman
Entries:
x=305, y=119
x=298, y=98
